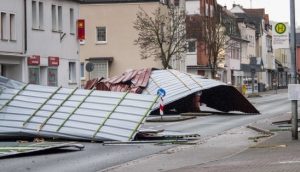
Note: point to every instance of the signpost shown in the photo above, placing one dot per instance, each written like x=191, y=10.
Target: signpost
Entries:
x=161, y=93
x=280, y=35
x=293, y=70
x=89, y=67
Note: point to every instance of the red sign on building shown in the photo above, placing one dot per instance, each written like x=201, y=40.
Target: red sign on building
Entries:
x=80, y=29
x=53, y=61
x=33, y=60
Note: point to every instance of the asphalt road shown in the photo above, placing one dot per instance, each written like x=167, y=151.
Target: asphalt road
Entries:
x=96, y=157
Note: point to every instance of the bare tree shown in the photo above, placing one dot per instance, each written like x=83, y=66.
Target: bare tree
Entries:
x=211, y=35
x=161, y=34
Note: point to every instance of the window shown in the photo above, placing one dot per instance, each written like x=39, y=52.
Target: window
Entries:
x=41, y=15
x=34, y=14
x=82, y=70
x=12, y=35
x=34, y=75
x=60, y=23
x=54, y=21
x=192, y=7
x=211, y=10
x=101, y=34
x=3, y=26
x=52, y=76
x=72, y=72
x=192, y=46
x=72, y=22
x=206, y=9
x=100, y=69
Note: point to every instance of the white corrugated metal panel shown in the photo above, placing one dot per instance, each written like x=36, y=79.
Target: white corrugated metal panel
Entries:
x=72, y=113
x=177, y=84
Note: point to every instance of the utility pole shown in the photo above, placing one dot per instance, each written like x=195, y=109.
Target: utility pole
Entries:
x=293, y=70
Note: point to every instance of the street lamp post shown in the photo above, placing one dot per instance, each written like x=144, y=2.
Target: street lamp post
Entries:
x=293, y=70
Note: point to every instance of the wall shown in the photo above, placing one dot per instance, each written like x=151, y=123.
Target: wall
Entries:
x=15, y=7
x=118, y=19
x=46, y=42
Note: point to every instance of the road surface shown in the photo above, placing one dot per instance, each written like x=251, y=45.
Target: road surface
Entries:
x=96, y=157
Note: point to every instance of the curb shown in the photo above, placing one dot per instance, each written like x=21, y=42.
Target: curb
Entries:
x=260, y=130
x=196, y=114
x=170, y=119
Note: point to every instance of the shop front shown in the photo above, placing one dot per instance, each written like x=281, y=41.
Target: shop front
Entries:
x=43, y=73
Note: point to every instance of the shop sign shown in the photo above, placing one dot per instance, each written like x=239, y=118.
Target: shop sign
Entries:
x=33, y=60
x=80, y=29
x=53, y=61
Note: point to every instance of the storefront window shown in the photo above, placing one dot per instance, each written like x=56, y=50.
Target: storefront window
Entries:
x=34, y=75
x=52, y=76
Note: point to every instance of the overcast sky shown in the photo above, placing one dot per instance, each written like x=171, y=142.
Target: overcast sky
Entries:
x=278, y=10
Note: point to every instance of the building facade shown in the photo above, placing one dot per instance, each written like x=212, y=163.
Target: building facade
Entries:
x=45, y=42
x=110, y=35
x=197, y=59
x=12, y=46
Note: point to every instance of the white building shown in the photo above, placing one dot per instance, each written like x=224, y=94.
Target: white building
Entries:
x=12, y=29
x=263, y=42
x=40, y=45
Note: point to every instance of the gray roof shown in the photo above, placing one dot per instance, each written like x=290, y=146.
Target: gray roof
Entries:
x=177, y=84
x=34, y=110
x=254, y=20
x=215, y=94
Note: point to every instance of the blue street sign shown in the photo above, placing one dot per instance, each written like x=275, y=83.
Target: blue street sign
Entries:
x=161, y=92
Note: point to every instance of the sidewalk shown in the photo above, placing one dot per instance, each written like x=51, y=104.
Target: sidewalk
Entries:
x=270, y=92
x=278, y=154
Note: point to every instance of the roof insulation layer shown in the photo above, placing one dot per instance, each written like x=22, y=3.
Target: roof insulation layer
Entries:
x=34, y=110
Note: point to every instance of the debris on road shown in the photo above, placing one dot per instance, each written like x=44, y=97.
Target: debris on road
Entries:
x=8, y=149
x=165, y=135
x=181, y=88
x=28, y=110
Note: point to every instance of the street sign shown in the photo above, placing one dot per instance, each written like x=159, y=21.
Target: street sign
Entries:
x=280, y=36
x=294, y=91
x=89, y=67
x=161, y=92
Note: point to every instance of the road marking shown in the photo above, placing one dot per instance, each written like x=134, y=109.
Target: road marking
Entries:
x=289, y=162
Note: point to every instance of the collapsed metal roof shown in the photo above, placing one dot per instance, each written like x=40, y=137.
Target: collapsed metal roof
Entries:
x=34, y=110
x=180, y=88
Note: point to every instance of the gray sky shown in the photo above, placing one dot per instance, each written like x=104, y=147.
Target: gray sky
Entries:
x=278, y=10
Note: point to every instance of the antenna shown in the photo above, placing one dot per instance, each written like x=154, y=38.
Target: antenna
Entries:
x=250, y=3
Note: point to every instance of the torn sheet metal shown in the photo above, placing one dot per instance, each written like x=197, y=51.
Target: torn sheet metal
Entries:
x=43, y=111
x=180, y=87
x=17, y=148
x=149, y=134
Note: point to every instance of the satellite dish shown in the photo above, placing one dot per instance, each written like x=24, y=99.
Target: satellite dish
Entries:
x=89, y=67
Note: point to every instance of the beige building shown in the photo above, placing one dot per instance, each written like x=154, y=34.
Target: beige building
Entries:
x=109, y=38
